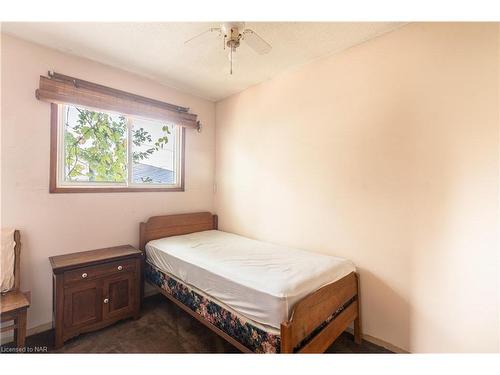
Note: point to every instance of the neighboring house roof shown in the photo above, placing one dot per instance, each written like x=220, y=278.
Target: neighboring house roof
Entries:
x=158, y=175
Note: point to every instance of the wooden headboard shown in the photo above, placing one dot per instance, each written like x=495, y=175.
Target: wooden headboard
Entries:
x=174, y=225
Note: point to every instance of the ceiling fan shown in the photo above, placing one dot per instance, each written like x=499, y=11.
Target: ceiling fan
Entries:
x=233, y=33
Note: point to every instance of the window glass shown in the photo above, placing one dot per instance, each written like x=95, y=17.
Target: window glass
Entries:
x=153, y=152
x=95, y=146
x=103, y=149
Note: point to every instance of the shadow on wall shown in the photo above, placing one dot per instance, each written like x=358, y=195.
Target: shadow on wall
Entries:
x=388, y=309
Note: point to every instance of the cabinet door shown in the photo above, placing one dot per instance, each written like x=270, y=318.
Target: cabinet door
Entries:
x=119, y=299
x=82, y=303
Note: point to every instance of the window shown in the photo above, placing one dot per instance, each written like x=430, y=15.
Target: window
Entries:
x=113, y=140
x=98, y=151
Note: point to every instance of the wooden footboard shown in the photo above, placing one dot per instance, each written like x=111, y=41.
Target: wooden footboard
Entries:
x=317, y=320
x=307, y=332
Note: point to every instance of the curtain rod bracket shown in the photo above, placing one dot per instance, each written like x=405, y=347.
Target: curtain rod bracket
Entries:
x=198, y=126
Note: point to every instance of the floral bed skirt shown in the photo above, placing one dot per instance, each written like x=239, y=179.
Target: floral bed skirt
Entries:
x=252, y=337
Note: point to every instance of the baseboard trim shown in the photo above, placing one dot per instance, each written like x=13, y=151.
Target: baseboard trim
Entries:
x=6, y=338
x=379, y=342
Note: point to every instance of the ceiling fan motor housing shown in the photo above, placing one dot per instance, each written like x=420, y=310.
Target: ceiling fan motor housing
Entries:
x=232, y=31
x=233, y=43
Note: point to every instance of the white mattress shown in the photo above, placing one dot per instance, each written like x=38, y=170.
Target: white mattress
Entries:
x=259, y=280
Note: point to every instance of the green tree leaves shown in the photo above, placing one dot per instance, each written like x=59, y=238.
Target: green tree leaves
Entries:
x=96, y=146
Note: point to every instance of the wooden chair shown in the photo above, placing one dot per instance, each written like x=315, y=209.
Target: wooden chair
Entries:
x=14, y=303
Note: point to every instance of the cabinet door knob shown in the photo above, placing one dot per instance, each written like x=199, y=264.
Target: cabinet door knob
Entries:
x=120, y=268
x=84, y=275
x=106, y=300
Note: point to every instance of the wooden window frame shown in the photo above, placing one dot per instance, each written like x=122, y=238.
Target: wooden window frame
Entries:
x=54, y=188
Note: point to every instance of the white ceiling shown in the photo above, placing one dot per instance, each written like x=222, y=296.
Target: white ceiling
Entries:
x=201, y=67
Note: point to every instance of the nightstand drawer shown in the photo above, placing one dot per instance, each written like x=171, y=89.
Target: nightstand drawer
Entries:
x=92, y=272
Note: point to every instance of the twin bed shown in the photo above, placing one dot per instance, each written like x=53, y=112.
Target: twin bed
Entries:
x=262, y=298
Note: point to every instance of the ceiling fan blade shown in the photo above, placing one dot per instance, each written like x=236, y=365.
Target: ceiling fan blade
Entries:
x=255, y=42
x=212, y=29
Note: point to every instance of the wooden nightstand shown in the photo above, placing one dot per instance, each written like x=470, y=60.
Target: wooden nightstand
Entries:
x=93, y=289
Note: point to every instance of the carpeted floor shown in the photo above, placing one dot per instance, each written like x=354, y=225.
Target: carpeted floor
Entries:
x=163, y=328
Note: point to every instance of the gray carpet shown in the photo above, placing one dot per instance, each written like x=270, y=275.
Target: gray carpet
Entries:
x=164, y=328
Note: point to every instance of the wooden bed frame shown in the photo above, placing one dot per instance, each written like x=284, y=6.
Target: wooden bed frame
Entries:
x=308, y=314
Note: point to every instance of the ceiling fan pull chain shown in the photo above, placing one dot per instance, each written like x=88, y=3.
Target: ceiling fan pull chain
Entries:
x=231, y=70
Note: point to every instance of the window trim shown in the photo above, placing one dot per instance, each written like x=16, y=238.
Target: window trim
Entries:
x=53, y=178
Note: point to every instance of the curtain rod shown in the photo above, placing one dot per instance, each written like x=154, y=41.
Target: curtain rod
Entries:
x=59, y=88
x=94, y=86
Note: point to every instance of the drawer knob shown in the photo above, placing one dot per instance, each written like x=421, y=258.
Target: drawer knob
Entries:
x=106, y=300
x=84, y=275
x=120, y=268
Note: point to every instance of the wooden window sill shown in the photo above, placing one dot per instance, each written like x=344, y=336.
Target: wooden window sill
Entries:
x=58, y=190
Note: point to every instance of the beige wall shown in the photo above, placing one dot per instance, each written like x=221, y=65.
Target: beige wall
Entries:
x=386, y=154
x=498, y=119
x=53, y=224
